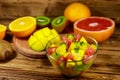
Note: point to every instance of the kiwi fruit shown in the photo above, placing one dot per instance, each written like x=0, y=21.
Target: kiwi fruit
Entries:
x=59, y=23
x=42, y=21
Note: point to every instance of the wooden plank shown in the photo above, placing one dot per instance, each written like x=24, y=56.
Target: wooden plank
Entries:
x=24, y=1
x=26, y=75
x=107, y=63
x=21, y=62
x=12, y=11
x=56, y=8
x=22, y=67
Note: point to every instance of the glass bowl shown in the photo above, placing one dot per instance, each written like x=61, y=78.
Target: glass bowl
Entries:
x=67, y=65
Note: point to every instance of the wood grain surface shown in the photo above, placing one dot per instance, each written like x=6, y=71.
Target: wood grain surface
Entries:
x=20, y=67
x=105, y=67
x=21, y=45
x=12, y=9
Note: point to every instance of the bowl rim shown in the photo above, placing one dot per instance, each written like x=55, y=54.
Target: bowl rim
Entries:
x=90, y=57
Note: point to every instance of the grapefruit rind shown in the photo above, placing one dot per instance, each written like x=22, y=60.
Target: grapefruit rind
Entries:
x=101, y=35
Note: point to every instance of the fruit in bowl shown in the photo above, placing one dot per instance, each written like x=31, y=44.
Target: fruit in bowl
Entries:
x=100, y=28
x=72, y=53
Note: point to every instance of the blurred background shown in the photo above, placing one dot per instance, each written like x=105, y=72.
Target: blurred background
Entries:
x=11, y=9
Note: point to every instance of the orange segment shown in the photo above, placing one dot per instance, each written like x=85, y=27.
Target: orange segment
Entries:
x=2, y=31
x=23, y=27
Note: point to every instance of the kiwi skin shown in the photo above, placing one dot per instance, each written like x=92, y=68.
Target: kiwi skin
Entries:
x=6, y=50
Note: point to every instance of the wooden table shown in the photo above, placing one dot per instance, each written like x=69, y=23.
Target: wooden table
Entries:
x=105, y=67
x=107, y=63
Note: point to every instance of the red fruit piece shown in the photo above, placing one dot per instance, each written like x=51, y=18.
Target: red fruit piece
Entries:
x=90, y=51
x=60, y=60
x=69, y=56
x=51, y=50
x=66, y=40
x=77, y=37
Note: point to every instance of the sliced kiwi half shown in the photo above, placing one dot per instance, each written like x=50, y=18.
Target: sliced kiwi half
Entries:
x=42, y=21
x=59, y=23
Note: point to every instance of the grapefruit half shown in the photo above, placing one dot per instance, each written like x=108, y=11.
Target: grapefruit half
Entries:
x=100, y=28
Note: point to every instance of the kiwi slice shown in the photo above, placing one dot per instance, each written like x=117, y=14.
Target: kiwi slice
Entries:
x=42, y=21
x=59, y=23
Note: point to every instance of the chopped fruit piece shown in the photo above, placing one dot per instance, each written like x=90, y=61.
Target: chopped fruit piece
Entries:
x=90, y=51
x=83, y=40
x=70, y=63
x=53, y=45
x=70, y=36
x=66, y=40
x=77, y=37
x=46, y=31
x=61, y=49
x=60, y=61
x=38, y=34
x=72, y=46
x=56, y=55
x=32, y=40
x=93, y=46
x=54, y=32
x=69, y=56
x=36, y=48
x=51, y=50
x=77, y=56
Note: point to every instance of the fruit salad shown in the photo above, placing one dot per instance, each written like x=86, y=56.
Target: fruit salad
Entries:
x=72, y=54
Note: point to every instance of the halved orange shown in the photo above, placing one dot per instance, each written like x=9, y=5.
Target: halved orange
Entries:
x=2, y=31
x=23, y=26
x=100, y=28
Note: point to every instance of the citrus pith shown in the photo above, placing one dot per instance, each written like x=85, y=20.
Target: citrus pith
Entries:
x=2, y=31
x=100, y=28
x=76, y=11
x=23, y=26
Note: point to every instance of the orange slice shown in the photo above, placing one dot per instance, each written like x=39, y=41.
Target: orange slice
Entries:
x=23, y=26
x=2, y=31
x=100, y=28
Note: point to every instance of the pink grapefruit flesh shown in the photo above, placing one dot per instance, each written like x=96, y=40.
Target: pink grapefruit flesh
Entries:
x=100, y=28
